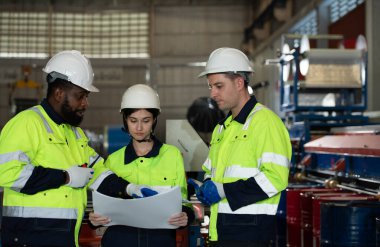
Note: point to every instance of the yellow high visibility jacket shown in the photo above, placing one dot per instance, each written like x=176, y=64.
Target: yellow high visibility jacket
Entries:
x=258, y=148
x=48, y=211
x=164, y=170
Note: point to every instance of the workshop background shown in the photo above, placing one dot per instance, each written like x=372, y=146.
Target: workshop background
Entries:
x=316, y=65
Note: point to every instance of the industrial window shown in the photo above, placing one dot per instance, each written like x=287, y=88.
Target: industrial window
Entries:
x=308, y=25
x=100, y=35
x=340, y=8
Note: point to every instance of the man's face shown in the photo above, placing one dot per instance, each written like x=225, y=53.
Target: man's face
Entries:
x=223, y=90
x=74, y=105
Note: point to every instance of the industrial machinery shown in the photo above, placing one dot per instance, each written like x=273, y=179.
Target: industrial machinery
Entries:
x=322, y=88
x=347, y=161
x=327, y=87
x=336, y=150
x=181, y=134
x=192, y=137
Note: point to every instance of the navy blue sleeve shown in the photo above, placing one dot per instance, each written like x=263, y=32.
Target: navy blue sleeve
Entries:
x=190, y=214
x=114, y=186
x=43, y=179
x=243, y=192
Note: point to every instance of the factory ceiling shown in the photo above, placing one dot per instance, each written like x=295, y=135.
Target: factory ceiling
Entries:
x=96, y=5
x=268, y=16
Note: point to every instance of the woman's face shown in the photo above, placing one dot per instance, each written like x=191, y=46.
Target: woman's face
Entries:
x=140, y=124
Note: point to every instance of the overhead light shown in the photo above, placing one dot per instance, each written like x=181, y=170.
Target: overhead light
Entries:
x=197, y=64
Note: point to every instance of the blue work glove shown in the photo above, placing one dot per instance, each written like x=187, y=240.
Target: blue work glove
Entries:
x=197, y=184
x=139, y=191
x=212, y=192
x=209, y=192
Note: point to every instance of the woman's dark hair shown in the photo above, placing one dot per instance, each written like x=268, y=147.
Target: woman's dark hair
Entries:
x=128, y=111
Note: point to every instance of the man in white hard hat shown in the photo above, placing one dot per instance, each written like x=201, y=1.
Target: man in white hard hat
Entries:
x=46, y=162
x=248, y=163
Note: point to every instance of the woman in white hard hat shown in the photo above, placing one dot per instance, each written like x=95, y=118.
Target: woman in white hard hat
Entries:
x=145, y=164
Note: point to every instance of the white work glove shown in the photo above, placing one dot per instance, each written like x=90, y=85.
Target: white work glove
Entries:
x=79, y=176
x=139, y=191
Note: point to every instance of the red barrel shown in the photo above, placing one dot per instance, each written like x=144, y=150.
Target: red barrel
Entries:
x=293, y=212
x=317, y=199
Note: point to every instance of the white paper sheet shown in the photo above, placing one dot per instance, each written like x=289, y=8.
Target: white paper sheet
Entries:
x=150, y=212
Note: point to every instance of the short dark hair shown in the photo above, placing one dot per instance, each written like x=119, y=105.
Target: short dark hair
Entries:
x=233, y=76
x=57, y=83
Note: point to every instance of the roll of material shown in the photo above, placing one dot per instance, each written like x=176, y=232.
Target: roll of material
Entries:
x=334, y=56
x=333, y=67
x=334, y=75
x=337, y=64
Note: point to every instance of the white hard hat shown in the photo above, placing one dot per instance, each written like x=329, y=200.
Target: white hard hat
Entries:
x=227, y=59
x=140, y=96
x=73, y=67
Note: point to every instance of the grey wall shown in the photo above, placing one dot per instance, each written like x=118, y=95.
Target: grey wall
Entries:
x=179, y=36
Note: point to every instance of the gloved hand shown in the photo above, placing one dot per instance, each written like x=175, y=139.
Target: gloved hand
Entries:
x=139, y=191
x=209, y=192
x=79, y=176
x=212, y=192
x=195, y=183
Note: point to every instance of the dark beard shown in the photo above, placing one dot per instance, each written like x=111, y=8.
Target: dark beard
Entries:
x=69, y=115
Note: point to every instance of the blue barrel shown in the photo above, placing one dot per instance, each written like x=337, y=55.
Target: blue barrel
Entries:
x=115, y=138
x=378, y=232
x=349, y=224
x=281, y=221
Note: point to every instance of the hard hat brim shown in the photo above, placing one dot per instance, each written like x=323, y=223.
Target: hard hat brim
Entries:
x=205, y=73
x=92, y=89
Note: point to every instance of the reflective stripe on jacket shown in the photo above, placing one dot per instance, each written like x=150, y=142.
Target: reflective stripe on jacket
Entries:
x=162, y=171
x=259, y=149
x=162, y=168
x=32, y=139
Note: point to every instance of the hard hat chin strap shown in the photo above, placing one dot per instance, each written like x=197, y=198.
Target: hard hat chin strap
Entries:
x=149, y=139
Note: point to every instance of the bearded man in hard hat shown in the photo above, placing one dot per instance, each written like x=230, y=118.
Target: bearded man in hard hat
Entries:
x=248, y=163
x=46, y=162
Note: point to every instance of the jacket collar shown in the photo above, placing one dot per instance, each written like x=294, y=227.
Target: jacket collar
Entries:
x=130, y=153
x=51, y=113
x=243, y=114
